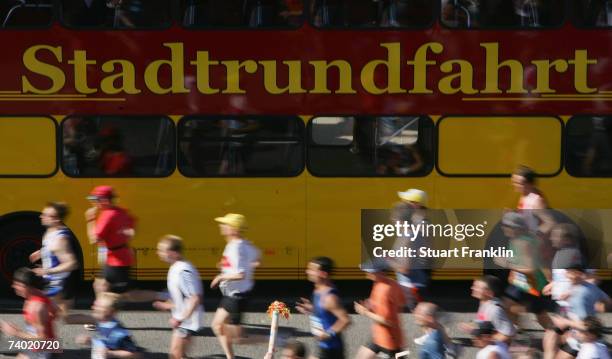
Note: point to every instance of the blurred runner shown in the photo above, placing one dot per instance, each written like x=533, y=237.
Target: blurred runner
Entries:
x=38, y=313
x=583, y=298
x=186, y=296
x=590, y=337
x=111, y=339
x=484, y=337
x=59, y=262
x=328, y=318
x=526, y=279
x=433, y=345
x=413, y=274
x=111, y=228
x=383, y=308
x=533, y=206
x=524, y=182
x=240, y=258
x=488, y=290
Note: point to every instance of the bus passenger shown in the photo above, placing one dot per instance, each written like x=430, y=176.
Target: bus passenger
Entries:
x=240, y=258
x=59, y=262
x=186, y=296
x=328, y=318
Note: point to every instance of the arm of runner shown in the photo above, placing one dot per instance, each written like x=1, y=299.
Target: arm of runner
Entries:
x=68, y=262
x=332, y=303
x=35, y=256
x=363, y=310
x=304, y=306
x=192, y=303
x=91, y=232
x=493, y=355
x=164, y=306
x=40, y=315
x=91, y=215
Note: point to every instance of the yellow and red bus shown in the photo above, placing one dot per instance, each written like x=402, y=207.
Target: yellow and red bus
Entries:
x=297, y=114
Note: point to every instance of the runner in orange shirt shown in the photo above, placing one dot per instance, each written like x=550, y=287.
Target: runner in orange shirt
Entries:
x=383, y=307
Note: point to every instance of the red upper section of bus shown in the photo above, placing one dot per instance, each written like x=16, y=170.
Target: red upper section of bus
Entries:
x=307, y=44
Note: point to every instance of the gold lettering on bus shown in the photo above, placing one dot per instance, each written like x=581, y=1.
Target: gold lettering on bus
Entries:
x=465, y=76
x=294, y=79
x=420, y=64
x=380, y=75
x=203, y=64
x=393, y=66
x=53, y=73
x=321, y=69
x=176, y=65
x=126, y=78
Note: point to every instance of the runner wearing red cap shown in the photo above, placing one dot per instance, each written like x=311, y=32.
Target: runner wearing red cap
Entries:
x=111, y=228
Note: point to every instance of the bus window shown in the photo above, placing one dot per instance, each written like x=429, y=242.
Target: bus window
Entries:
x=502, y=13
x=242, y=13
x=110, y=146
x=26, y=13
x=371, y=13
x=589, y=146
x=225, y=146
x=27, y=146
x=592, y=13
x=116, y=14
x=495, y=146
x=370, y=146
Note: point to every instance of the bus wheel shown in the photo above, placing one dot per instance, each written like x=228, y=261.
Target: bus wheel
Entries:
x=18, y=239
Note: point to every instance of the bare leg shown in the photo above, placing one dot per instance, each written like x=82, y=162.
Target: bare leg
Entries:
x=365, y=353
x=549, y=344
x=178, y=345
x=219, y=327
x=63, y=306
x=100, y=285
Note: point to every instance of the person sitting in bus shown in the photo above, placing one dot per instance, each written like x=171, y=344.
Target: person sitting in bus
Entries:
x=114, y=160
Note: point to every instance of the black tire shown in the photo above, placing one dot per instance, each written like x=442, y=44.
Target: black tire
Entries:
x=19, y=237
